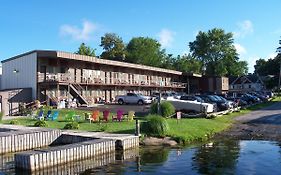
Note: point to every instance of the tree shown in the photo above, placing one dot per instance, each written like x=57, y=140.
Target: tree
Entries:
x=145, y=51
x=217, y=54
x=269, y=67
x=85, y=50
x=113, y=46
x=270, y=70
x=187, y=63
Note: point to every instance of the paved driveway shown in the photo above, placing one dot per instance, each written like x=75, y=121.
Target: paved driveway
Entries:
x=264, y=124
x=268, y=115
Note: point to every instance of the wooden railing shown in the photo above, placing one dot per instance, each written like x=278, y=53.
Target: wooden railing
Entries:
x=60, y=77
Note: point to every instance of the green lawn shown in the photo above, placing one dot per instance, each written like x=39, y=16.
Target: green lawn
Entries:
x=184, y=130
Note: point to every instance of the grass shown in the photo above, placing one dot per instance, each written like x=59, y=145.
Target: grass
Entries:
x=183, y=131
x=111, y=127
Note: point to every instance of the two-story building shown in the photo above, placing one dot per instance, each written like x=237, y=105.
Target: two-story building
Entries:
x=246, y=83
x=58, y=75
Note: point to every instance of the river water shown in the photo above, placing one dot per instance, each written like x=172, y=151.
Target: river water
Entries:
x=214, y=158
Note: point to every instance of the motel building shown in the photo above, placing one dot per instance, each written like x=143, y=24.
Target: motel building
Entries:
x=57, y=75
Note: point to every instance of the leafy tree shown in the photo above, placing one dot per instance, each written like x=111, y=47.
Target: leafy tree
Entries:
x=168, y=61
x=216, y=52
x=187, y=63
x=269, y=68
x=145, y=51
x=85, y=50
x=113, y=46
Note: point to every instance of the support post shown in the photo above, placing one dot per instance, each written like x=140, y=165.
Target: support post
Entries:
x=158, y=104
x=137, y=132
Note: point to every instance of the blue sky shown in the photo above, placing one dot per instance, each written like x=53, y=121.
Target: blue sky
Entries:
x=64, y=24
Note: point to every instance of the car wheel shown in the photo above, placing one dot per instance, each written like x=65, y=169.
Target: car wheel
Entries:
x=140, y=102
x=120, y=102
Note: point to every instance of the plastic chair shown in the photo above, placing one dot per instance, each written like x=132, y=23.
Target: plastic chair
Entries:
x=70, y=116
x=48, y=114
x=95, y=116
x=131, y=115
x=105, y=115
x=40, y=115
x=54, y=116
x=119, y=115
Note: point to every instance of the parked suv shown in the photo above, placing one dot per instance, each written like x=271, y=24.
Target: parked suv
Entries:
x=132, y=98
x=221, y=105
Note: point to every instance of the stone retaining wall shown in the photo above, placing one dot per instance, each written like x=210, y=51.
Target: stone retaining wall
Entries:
x=40, y=159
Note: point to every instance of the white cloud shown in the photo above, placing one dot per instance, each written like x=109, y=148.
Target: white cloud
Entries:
x=251, y=62
x=79, y=34
x=166, y=37
x=240, y=49
x=244, y=28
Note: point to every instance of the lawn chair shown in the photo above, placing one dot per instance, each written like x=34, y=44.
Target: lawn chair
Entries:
x=48, y=114
x=131, y=115
x=105, y=115
x=40, y=115
x=54, y=116
x=70, y=116
x=119, y=115
x=95, y=116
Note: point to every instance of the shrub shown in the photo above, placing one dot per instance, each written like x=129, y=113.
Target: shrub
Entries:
x=166, y=109
x=155, y=126
x=40, y=123
x=72, y=125
x=153, y=108
x=14, y=122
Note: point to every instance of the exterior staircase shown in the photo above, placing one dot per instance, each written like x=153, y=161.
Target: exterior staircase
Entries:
x=76, y=91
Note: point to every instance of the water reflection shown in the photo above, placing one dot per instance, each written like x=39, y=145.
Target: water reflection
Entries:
x=7, y=163
x=216, y=157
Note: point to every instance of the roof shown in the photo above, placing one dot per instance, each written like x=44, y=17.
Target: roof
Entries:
x=72, y=56
x=246, y=79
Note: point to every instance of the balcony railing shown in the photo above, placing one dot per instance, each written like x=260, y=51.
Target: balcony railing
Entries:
x=64, y=77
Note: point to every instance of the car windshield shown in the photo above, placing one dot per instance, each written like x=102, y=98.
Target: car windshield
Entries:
x=219, y=98
x=212, y=98
x=199, y=99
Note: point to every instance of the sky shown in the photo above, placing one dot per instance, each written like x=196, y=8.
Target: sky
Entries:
x=64, y=24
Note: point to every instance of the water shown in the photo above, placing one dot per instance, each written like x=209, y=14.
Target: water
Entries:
x=215, y=158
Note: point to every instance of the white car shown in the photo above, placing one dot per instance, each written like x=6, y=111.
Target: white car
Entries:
x=192, y=105
x=132, y=98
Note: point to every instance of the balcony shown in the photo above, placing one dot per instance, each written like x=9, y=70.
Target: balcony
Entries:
x=66, y=78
